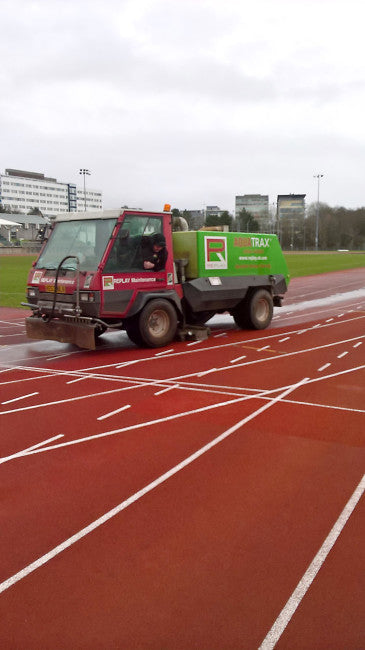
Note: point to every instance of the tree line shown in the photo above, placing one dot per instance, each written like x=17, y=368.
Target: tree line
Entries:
x=338, y=227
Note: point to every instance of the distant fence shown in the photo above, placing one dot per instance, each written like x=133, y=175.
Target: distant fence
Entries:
x=28, y=249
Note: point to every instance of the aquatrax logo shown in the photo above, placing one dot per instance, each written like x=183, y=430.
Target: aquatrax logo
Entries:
x=215, y=249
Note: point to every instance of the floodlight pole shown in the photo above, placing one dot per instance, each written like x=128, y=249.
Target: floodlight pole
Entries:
x=318, y=177
x=84, y=172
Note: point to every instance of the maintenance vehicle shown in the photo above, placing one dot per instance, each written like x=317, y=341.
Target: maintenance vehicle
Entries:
x=90, y=276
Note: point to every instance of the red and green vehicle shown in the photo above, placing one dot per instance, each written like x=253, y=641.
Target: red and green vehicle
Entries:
x=89, y=277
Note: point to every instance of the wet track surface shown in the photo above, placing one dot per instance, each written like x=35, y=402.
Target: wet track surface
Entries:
x=208, y=494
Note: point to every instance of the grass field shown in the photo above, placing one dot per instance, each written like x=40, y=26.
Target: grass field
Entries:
x=14, y=270
x=300, y=264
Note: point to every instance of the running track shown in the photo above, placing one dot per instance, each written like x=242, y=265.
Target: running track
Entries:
x=206, y=495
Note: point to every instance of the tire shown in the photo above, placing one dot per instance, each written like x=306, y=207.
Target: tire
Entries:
x=256, y=311
x=132, y=329
x=157, y=323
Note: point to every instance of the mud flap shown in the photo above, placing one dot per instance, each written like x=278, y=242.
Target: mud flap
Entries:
x=80, y=334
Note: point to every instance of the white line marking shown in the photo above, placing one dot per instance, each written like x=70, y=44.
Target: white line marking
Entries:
x=194, y=343
x=160, y=354
x=126, y=363
x=58, y=356
x=135, y=497
x=74, y=381
x=206, y=372
x=264, y=348
x=108, y=415
x=329, y=320
x=357, y=344
x=165, y=390
x=326, y=365
x=298, y=594
x=24, y=452
x=302, y=331
x=16, y=399
x=342, y=355
x=216, y=336
x=286, y=338
x=238, y=359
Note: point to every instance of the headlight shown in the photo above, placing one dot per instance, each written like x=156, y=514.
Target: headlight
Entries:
x=87, y=296
x=32, y=293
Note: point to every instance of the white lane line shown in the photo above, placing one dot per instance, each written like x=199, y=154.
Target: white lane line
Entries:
x=125, y=363
x=53, y=371
x=326, y=365
x=206, y=372
x=238, y=359
x=16, y=399
x=339, y=356
x=166, y=390
x=302, y=331
x=194, y=343
x=286, y=338
x=24, y=452
x=216, y=336
x=298, y=594
x=264, y=348
x=58, y=356
x=176, y=416
x=329, y=320
x=108, y=415
x=160, y=354
x=357, y=344
x=74, y=381
x=138, y=495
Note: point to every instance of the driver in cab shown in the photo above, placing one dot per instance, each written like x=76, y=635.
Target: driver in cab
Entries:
x=155, y=260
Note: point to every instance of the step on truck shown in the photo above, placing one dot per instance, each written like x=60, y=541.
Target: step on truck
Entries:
x=91, y=275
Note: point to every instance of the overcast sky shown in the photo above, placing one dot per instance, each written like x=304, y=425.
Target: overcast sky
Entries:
x=188, y=102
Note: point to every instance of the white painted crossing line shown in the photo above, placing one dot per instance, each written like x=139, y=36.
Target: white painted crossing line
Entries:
x=238, y=359
x=108, y=415
x=286, y=338
x=16, y=399
x=326, y=365
x=357, y=344
x=160, y=354
x=342, y=355
x=165, y=390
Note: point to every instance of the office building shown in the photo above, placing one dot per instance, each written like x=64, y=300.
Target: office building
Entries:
x=23, y=191
x=290, y=206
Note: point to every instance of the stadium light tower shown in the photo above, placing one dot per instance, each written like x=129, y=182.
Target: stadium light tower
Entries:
x=84, y=172
x=318, y=177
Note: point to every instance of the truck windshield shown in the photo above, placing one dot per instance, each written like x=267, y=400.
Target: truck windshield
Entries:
x=86, y=238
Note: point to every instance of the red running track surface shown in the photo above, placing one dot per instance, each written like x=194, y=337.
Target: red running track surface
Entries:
x=176, y=498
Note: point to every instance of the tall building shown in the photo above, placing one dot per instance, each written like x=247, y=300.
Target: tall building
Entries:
x=290, y=206
x=256, y=204
x=23, y=191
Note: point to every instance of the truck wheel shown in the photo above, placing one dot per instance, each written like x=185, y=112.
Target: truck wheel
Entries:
x=132, y=329
x=157, y=323
x=255, y=312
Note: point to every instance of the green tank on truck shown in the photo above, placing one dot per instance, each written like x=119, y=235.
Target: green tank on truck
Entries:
x=243, y=273
x=98, y=271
